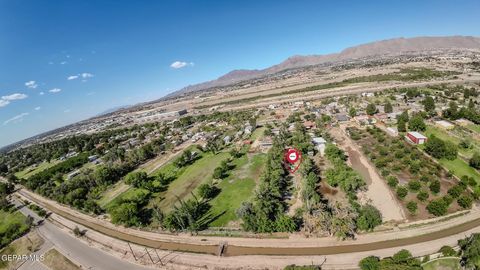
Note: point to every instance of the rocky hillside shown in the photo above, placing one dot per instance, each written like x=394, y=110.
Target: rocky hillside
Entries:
x=384, y=47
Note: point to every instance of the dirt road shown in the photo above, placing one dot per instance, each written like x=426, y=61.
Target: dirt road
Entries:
x=378, y=193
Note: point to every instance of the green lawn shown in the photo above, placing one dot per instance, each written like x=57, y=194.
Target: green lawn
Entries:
x=444, y=135
x=190, y=177
x=443, y=263
x=257, y=133
x=460, y=168
x=236, y=188
x=130, y=195
x=12, y=226
x=7, y=218
x=474, y=127
x=29, y=171
x=150, y=165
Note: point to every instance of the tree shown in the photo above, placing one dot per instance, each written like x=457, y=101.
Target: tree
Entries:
x=371, y=109
x=465, y=201
x=412, y=207
x=422, y=196
x=402, y=256
x=401, y=125
x=369, y=218
x=125, y=213
x=402, y=192
x=451, y=150
x=416, y=123
x=429, y=104
x=370, y=263
x=207, y=191
x=437, y=207
x=435, y=186
x=3, y=168
x=392, y=181
x=435, y=147
x=352, y=112
x=470, y=247
x=136, y=179
x=475, y=161
x=388, y=107
x=414, y=185
x=447, y=251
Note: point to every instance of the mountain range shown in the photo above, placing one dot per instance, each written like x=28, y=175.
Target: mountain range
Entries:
x=384, y=47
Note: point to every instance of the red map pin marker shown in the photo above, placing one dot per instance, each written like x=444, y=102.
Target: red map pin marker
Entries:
x=292, y=159
x=292, y=155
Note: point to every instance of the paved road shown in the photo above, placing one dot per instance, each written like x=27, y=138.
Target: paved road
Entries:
x=76, y=250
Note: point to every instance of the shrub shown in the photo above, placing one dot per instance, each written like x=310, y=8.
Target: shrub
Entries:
x=369, y=218
x=207, y=191
x=465, y=201
x=456, y=191
x=392, y=181
x=370, y=263
x=412, y=207
x=414, y=185
x=447, y=251
x=435, y=186
x=475, y=160
x=422, y=196
x=447, y=199
x=437, y=207
x=402, y=192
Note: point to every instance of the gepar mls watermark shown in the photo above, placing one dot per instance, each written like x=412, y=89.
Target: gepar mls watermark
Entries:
x=15, y=257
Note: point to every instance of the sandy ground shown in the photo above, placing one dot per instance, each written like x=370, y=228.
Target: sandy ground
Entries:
x=339, y=91
x=378, y=193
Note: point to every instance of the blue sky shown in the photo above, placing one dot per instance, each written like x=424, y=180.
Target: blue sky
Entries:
x=121, y=52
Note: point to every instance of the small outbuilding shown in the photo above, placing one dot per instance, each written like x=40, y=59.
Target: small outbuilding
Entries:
x=416, y=137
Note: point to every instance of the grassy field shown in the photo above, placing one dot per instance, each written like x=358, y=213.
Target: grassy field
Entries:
x=120, y=187
x=56, y=261
x=460, y=168
x=443, y=263
x=474, y=127
x=456, y=138
x=8, y=219
x=257, y=133
x=190, y=177
x=21, y=246
x=236, y=188
x=112, y=193
x=29, y=171
x=152, y=164
x=128, y=195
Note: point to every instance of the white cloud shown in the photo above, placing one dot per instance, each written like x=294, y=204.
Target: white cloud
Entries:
x=55, y=90
x=180, y=64
x=4, y=103
x=50, y=63
x=63, y=62
x=15, y=96
x=16, y=118
x=37, y=108
x=5, y=100
x=86, y=75
x=31, y=84
x=41, y=93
